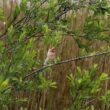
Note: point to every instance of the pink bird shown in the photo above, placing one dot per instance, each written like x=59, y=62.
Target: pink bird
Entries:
x=50, y=56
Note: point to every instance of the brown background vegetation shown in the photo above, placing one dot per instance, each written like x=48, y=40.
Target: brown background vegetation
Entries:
x=58, y=99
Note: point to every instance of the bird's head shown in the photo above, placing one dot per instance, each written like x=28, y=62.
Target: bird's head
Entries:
x=52, y=49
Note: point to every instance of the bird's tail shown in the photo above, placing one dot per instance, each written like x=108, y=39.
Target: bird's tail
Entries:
x=46, y=62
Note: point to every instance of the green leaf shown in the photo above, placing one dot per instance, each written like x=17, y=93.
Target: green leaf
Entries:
x=104, y=76
x=16, y=12
x=10, y=33
x=2, y=17
x=23, y=5
x=4, y=83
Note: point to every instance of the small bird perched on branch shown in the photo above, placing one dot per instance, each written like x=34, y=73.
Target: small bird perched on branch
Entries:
x=50, y=56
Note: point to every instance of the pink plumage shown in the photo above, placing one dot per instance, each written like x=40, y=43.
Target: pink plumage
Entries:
x=50, y=56
x=51, y=53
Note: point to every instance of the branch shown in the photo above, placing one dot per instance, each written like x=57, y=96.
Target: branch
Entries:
x=18, y=22
x=72, y=7
x=58, y=63
x=30, y=12
x=65, y=61
x=61, y=14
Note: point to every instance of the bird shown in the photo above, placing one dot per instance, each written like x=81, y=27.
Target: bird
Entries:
x=50, y=56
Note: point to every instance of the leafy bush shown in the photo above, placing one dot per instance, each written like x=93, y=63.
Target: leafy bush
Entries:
x=47, y=22
x=86, y=88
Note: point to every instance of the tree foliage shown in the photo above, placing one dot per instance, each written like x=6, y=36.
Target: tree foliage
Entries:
x=48, y=21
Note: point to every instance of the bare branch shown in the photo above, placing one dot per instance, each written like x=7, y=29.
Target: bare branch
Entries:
x=65, y=61
x=58, y=63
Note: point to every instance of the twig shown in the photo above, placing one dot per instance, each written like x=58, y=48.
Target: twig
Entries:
x=61, y=14
x=58, y=63
x=65, y=61
x=18, y=22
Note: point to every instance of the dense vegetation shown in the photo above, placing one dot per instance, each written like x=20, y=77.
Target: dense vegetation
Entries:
x=35, y=25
